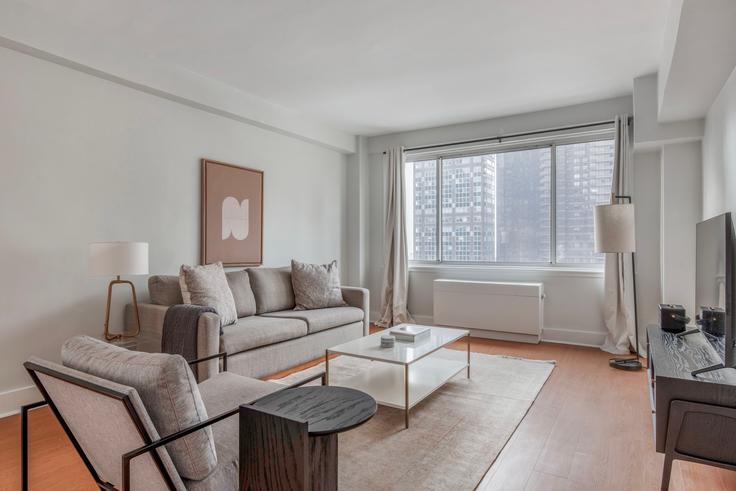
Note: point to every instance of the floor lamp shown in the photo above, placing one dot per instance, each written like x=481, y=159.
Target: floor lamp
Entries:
x=116, y=259
x=615, y=233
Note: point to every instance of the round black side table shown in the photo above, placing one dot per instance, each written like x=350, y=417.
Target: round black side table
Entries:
x=288, y=439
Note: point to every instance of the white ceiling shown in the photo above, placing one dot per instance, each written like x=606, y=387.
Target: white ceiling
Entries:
x=379, y=66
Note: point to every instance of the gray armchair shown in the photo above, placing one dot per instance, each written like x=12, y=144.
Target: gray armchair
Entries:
x=139, y=420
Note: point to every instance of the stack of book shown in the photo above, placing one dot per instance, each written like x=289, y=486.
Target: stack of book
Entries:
x=409, y=333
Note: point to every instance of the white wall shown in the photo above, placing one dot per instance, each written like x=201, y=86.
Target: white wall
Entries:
x=647, y=181
x=719, y=153
x=680, y=212
x=86, y=159
x=573, y=305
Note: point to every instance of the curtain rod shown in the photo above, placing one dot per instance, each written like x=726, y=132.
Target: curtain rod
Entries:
x=512, y=135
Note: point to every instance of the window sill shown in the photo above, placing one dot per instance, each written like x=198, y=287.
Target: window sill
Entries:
x=559, y=271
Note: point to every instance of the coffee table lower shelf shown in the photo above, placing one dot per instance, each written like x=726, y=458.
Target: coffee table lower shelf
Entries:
x=385, y=381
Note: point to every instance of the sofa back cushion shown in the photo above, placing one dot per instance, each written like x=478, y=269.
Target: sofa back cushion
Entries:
x=245, y=302
x=167, y=388
x=165, y=290
x=272, y=289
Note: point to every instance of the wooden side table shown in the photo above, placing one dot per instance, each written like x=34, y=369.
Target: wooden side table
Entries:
x=288, y=440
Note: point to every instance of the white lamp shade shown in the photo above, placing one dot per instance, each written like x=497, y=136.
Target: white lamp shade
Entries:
x=118, y=258
x=614, y=228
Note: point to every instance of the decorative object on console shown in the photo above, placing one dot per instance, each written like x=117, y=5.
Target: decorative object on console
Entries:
x=232, y=214
x=117, y=259
x=615, y=232
x=316, y=286
x=673, y=318
x=207, y=285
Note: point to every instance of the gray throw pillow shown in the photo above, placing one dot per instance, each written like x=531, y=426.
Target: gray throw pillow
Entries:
x=207, y=285
x=316, y=286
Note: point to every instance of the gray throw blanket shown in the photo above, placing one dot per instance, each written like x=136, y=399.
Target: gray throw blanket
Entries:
x=179, y=334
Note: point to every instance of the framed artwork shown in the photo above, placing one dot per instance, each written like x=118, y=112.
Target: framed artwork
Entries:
x=232, y=214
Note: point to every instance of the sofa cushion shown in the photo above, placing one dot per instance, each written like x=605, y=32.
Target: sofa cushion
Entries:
x=322, y=319
x=316, y=286
x=221, y=393
x=207, y=285
x=167, y=388
x=239, y=283
x=164, y=290
x=256, y=331
x=272, y=289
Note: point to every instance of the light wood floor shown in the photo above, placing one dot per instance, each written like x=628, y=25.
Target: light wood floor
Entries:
x=590, y=428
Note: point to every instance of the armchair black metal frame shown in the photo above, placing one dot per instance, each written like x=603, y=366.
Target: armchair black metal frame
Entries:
x=150, y=445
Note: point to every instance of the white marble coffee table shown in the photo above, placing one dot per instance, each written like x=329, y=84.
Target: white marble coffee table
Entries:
x=406, y=374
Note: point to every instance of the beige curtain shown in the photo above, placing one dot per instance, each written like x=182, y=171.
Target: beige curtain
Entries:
x=618, y=304
x=396, y=270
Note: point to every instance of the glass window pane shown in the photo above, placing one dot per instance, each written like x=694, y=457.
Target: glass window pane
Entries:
x=584, y=175
x=523, y=190
x=468, y=208
x=420, y=200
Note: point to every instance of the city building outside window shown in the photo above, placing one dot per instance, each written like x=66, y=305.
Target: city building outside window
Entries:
x=519, y=206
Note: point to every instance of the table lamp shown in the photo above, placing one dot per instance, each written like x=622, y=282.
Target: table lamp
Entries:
x=117, y=259
x=615, y=232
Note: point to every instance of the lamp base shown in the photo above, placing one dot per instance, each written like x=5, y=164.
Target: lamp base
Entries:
x=121, y=335
x=630, y=364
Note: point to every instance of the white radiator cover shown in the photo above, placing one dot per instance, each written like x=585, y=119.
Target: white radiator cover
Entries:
x=510, y=311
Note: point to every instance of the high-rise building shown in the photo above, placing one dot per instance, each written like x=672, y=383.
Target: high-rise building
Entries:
x=584, y=175
x=523, y=215
x=498, y=207
x=468, y=209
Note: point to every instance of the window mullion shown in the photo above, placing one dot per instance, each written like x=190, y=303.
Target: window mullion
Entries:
x=553, y=206
x=438, y=214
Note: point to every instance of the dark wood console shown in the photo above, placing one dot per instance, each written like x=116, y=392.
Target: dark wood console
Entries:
x=694, y=417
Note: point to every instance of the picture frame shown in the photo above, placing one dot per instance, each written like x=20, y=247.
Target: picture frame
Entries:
x=231, y=214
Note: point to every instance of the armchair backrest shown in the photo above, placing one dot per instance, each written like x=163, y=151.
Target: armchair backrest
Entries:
x=104, y=420
x=167, y=388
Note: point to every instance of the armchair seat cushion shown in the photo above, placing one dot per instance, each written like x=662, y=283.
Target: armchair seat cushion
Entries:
x=256, y=331
x=223, y=392
x=322, y=319
x=227, y=390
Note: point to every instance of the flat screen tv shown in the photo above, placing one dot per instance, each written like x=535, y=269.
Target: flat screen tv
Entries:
x=714, y=288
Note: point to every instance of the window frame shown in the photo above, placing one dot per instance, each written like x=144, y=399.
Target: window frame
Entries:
x=512, y=145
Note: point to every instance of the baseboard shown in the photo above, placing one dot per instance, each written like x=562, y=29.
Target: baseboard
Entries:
x=11, y=400
x=575, y=337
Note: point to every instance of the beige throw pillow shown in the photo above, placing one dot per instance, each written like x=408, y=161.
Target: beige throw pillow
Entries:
x=316, y=286
x=207, y=285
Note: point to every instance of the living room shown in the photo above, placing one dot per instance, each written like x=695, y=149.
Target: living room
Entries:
x=251, y=199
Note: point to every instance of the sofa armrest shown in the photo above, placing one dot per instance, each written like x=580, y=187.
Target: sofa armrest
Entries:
x=208, y=344
x=360, y=298
x=152, y=327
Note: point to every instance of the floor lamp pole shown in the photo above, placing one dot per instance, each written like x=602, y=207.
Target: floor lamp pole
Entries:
x=630, y=363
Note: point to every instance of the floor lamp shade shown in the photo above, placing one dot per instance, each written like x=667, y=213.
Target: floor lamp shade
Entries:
x=118, y=258
x=614, y=228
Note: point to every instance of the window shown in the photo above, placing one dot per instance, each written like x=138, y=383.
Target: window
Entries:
x=515, y=205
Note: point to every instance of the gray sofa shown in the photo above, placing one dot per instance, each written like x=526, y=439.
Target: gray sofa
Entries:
x=269, y=335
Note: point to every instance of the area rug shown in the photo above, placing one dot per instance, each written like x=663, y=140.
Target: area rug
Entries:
x=455, y=434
